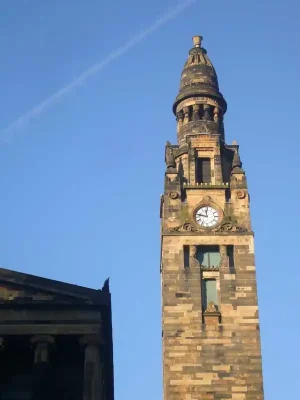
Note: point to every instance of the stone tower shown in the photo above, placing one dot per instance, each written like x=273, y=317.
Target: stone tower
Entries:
x=211, y=340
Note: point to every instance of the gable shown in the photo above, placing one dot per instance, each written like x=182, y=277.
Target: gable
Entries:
x=22, y=294
x=17, y=287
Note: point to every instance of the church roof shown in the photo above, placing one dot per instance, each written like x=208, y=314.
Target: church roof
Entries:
x=23, y=288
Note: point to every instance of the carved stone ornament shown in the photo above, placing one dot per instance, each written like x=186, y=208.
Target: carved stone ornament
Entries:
x=224, y=265
x=206, y=199
x=189, y=227
x=230, y=227
x=173, y=195
x=241, y=194
x=240, y=179
x=211, y=308
x=216, y=114
x=186, y=227
x=238, y=183
x=194, y=263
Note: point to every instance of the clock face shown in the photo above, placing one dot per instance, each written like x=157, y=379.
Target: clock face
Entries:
x=207, y=216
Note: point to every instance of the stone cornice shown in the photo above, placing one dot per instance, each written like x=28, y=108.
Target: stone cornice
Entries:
x=168, y=233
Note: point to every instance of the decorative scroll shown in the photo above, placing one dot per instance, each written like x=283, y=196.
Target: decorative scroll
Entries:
x=230, y=227
x=173, y=195
x=186, y=227
x=241, y=194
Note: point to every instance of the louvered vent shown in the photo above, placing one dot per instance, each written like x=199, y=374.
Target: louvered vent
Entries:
x=203, y=170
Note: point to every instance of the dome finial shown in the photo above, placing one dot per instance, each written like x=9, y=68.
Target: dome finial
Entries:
x=197, y=41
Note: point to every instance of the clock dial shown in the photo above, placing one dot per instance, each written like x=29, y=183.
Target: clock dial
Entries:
x=207, y=216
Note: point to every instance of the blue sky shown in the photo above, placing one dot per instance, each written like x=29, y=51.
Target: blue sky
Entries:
x=81, y=182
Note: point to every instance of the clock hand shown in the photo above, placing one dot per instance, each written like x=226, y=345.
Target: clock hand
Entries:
x=201, y=215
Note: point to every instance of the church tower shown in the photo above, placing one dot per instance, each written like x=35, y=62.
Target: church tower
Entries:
x=211, y=339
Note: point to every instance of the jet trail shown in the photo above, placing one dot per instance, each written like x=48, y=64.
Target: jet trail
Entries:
x=94, y=69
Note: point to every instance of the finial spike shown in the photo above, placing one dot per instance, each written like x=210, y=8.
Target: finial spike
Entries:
x=197, y=41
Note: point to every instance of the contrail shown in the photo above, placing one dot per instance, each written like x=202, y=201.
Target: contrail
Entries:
x=57, y=96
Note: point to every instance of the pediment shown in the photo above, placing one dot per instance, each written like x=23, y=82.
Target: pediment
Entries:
x=24, y=294
x=20, y=288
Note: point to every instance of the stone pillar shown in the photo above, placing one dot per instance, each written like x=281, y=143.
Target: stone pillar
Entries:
x=186, y=113
x=196, y=110
x=216, y=114
x=41, y=370
x=93, y=375
x=180, y=118
x=206, y=113
x=218, y=169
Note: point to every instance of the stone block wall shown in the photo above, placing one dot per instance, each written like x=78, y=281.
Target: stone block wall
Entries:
x=210, y=356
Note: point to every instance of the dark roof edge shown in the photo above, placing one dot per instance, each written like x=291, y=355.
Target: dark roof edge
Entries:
x=33, y=281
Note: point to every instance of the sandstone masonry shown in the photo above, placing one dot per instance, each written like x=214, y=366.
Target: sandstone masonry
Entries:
x=211, y=340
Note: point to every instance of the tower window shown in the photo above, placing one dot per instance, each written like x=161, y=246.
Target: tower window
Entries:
x=203, y=170
x=186, y=256
x=230, y=255
x=209, y=293
x=209, y=256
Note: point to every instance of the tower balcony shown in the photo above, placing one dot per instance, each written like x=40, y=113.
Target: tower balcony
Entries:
x=206, y=186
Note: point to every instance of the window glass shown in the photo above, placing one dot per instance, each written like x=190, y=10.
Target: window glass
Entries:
x=215, y=258
x=202, y=257
x=209, y=292
x=203, y=170
x=209, y=256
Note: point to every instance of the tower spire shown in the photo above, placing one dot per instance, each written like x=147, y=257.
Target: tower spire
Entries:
x=199, y=98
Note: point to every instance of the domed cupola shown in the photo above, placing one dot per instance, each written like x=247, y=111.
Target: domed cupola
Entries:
x=198, y=77
x=199, y=98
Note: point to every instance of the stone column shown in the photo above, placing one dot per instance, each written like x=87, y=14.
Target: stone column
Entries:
x=180, y=118
x=206, y=113
x=41, y=371
x=186, y=113
x=196, y=111
x=216, y=114
x=93, y=375
x=218, y=169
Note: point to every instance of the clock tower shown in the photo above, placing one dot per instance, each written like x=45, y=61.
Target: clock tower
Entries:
x=211, y=340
